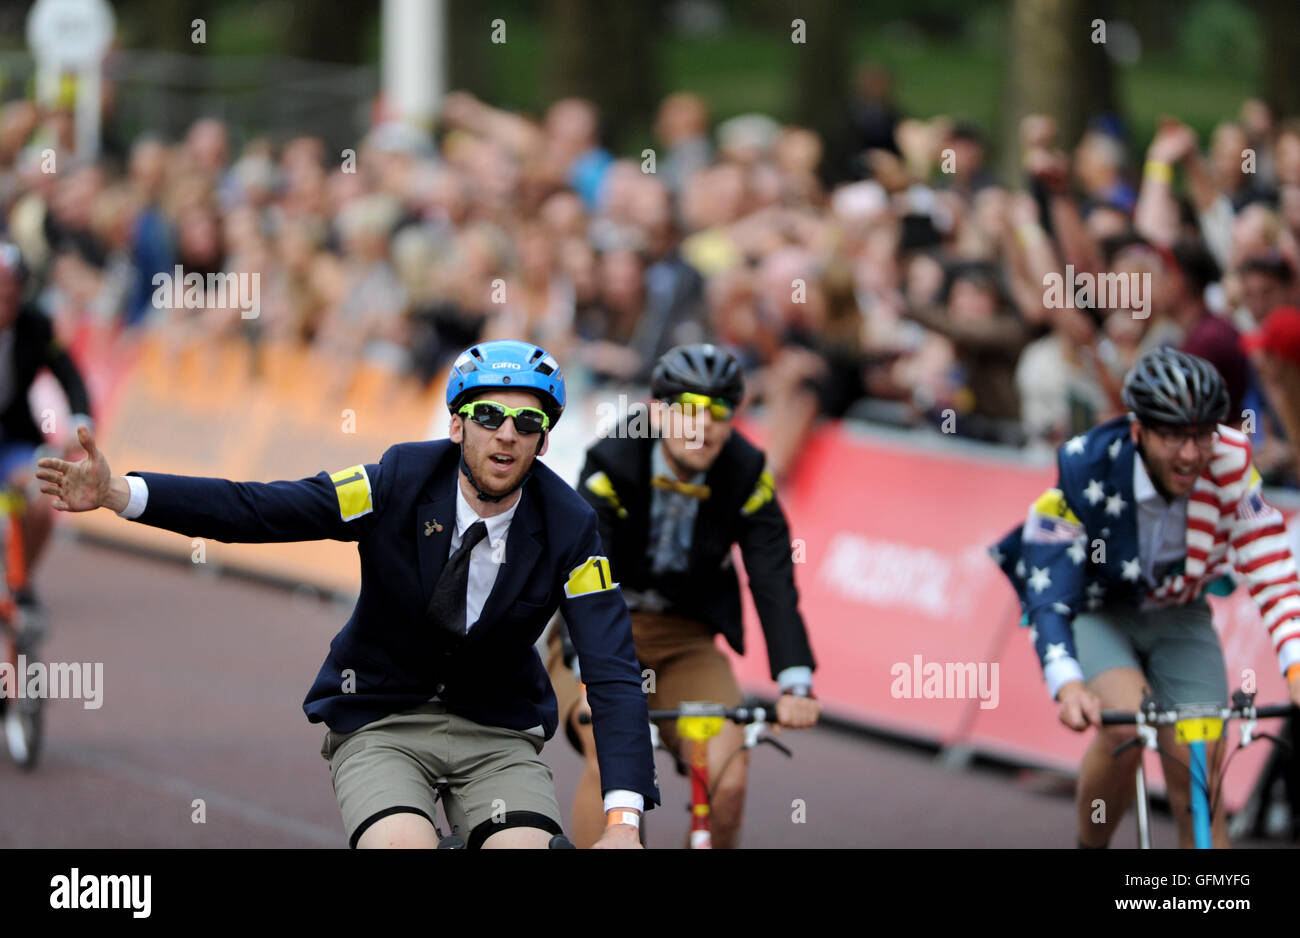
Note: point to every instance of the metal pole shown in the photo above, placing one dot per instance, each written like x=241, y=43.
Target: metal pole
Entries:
x=414, y=64
x=87, y=113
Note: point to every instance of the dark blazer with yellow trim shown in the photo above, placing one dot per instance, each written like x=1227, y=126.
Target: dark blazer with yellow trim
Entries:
x=390, y=657
x=742, y=509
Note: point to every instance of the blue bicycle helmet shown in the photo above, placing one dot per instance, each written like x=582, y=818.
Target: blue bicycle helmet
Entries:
x=511, y=365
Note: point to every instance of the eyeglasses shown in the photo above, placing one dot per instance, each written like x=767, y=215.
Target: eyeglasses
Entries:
x=491, y=414
x=1174, y=439
x=720, y=409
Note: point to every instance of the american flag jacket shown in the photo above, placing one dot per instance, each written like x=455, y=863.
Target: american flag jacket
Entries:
x=1078, y=549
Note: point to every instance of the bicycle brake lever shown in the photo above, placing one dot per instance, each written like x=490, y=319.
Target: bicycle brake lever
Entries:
x=1282, y=744
x=778, y=744
x=1127, y=744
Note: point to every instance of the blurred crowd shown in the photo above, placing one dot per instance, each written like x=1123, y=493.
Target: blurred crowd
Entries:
x=904, y=284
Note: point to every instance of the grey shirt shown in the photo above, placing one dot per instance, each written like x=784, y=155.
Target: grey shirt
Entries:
x=1161, y=526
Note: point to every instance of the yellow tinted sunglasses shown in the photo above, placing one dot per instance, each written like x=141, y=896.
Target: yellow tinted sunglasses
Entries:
x=720, y=409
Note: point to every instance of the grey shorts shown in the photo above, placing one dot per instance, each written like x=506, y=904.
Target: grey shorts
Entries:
x=496, y=776
x=1176, y=647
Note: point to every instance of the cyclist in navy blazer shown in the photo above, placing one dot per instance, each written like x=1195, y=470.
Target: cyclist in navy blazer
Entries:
x=407, y=514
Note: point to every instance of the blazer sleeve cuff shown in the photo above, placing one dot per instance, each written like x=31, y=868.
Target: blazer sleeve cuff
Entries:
x=794, y=676
x=622, y=798
x=139, y=498
x=1061, y=672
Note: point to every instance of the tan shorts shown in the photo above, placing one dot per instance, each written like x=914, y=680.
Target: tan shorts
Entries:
x=496, y=777
x=683, y=657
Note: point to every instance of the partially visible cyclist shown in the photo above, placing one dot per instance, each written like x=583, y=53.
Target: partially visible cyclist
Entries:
x=28, y=345
x=671, y=502
x=1151, y=511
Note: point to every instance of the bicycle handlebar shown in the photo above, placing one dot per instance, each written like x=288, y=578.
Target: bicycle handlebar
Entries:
x=1167, y=717
x=741, y=715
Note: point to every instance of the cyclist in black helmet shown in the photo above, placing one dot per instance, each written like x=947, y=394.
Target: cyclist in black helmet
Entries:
x=1152, y=511
x=671, y=503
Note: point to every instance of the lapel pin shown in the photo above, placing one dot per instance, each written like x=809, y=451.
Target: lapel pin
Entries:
x=431, y=526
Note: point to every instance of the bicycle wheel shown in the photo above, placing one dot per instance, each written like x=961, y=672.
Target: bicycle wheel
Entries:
x=23, y=730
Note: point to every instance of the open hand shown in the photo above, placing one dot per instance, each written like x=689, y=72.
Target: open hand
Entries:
x=84, y=485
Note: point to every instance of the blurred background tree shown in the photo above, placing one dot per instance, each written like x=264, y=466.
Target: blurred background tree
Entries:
x=984, y=60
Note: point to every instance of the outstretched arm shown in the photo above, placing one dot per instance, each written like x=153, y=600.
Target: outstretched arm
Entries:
x=338, y=506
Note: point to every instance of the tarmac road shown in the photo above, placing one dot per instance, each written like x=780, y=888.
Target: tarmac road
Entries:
x=203, y=680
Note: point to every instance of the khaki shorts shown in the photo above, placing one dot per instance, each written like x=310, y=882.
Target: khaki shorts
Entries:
x=496, y=777
x=683, y=657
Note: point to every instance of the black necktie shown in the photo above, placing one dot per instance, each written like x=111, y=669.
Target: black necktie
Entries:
x=447, y=606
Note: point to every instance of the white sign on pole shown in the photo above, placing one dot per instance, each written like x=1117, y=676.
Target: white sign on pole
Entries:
x=72, y=36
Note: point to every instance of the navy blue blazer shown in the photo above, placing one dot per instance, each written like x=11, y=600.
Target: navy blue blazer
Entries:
x=390, y=657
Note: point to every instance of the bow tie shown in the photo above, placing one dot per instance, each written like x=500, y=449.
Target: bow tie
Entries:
x=702, y=492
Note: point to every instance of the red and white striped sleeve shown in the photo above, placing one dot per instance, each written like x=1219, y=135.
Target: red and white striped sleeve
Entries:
x=1262, y=557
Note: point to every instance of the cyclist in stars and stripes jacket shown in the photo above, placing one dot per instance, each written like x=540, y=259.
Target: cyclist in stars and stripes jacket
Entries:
x=1151, y=511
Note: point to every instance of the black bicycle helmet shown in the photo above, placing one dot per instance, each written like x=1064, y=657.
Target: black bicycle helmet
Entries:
x=698, y=369
x=1173, y=388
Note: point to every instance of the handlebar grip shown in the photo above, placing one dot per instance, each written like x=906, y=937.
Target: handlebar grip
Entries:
x=769, y=715
x=1118, y=718
x=1275, y=710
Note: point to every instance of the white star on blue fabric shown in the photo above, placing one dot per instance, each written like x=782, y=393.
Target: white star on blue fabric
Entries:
x=1132, y=569
x=997, y=555
x=1095, y=590
x=1114, y=448
x=1076, y=551
x=1040, y=579
x=1094, y=492
x=1055, y=650
x=1075, y=446
x=1115, y=505
x=1033, y=635
x=1062, y=608
x=1093, y=605
x=1020, y=568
